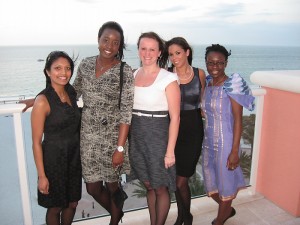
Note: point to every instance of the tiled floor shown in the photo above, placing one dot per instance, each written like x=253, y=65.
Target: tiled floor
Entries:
x=251, y=210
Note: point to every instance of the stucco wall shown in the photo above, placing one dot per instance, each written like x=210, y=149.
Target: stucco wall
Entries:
x=278, y=176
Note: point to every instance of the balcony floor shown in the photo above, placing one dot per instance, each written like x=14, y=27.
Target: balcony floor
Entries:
x=251, y=210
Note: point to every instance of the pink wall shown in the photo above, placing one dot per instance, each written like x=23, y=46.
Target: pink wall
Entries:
x=278, y=176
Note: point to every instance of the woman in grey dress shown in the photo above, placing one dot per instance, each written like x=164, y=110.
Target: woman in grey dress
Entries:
x=105, y=120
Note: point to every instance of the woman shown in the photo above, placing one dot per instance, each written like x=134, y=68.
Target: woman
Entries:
x=55, y=122
x=223, y=102
x=154, y=126
x=105, y=122
x=190, y=136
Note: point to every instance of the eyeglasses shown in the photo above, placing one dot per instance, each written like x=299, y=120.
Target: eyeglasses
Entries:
x=215, y=63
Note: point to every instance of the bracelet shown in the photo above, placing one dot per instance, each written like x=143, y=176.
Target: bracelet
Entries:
x=169, y=157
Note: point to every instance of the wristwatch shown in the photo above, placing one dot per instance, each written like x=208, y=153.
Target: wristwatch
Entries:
x=120, y=148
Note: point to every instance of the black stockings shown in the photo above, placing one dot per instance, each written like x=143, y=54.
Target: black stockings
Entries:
x=158, y=204
x=102, y=194
x=98, y=191
x=183, y=198
x=63, y=216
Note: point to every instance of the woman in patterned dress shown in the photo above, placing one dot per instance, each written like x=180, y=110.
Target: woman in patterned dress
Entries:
x=190, y=136
x=154, y=126
x=105, y=123
x=222, y=104
x=55, y=122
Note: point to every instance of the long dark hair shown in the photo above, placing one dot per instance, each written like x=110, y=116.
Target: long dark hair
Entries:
x=180, y=41
x=53, y=56
x=162, y=60
x=217, y=48
x=117, y=27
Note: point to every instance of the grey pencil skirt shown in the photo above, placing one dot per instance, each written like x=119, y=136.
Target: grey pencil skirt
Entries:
x=148, y=144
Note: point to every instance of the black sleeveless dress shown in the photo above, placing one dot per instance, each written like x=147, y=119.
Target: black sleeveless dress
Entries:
x=61, y=153
x=190, y=136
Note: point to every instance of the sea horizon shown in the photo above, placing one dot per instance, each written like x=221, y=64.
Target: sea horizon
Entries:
x=21, y=66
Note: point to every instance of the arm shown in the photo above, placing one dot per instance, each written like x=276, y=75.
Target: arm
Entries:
x=118, y=157
x=28, y=102
x=173, y=98
x=202, y=78
x=39, y=113
x=126, y=113
x=233, y=158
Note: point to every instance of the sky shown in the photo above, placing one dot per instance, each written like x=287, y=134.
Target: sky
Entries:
x=76, y=22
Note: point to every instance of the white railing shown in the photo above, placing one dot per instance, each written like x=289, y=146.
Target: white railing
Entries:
x=16, y=111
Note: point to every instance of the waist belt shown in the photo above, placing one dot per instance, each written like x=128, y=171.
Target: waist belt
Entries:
x=148, y=115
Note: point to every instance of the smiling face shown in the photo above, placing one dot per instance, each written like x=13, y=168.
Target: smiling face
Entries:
x=177, y=55
x=109, y=43
x=148, y=51
x=60, y=72
x=216, y=64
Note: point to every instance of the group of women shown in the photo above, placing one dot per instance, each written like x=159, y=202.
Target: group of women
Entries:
x=164, y=111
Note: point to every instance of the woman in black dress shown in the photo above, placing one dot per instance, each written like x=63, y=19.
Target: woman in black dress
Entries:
x=189, y=141
x=55, y=122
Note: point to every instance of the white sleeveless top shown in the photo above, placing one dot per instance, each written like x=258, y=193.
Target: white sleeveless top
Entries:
x=153, y=97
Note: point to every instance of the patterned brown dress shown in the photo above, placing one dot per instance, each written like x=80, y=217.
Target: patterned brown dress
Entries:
x=101, y=117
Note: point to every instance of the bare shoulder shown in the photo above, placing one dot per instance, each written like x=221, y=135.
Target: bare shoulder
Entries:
x=41, y=104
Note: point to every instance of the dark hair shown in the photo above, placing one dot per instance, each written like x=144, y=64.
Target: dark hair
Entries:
x=117, y=27
x=162, y=60
x=53, y=56
x=180, y=41
x=217, y=48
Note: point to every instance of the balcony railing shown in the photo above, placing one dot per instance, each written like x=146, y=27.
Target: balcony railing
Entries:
x=15, y=111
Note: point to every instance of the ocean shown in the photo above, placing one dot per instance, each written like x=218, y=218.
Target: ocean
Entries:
x=21, y=74
x=21, y=68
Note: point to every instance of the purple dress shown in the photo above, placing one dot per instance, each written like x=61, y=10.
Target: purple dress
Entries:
x=218, y=135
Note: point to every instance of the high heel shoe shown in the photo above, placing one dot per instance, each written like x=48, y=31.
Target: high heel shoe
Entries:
x=233, y=212
x=120, y=219
x=122, y=214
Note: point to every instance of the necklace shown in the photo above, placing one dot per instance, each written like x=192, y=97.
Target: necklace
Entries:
x=187, y=78
x=219, y=81
x=104, y=67
x=63, y=96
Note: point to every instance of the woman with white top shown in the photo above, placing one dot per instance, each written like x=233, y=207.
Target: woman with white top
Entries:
x=154, y=126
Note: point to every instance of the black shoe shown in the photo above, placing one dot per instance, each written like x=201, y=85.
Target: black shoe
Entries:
x=233, y=212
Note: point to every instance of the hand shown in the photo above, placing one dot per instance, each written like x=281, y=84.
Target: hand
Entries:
x=169, y=161
x=117, y=159
x=28, y=102
x=233, y=161
x=43, y=185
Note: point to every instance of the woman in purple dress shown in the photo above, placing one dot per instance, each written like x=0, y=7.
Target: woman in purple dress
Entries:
x=222, y=104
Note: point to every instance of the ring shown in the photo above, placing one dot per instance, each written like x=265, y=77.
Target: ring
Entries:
x=42, y=192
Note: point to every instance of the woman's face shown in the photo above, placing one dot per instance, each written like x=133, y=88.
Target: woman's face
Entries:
x=109, y=43
x=177, y=55
x=148, y=51
x=216, y=64
x=60, y=72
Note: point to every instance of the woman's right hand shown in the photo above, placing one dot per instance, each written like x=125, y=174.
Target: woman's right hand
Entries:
x=43, y=185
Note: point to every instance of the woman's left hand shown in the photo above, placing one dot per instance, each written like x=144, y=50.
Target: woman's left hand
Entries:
x=233, y=161
x=169, y=161
x=117, y=159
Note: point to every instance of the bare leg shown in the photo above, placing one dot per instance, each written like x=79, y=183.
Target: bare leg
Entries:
x=116, y=213
x=53, y=216
x=67, y=214
x=100, y=194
